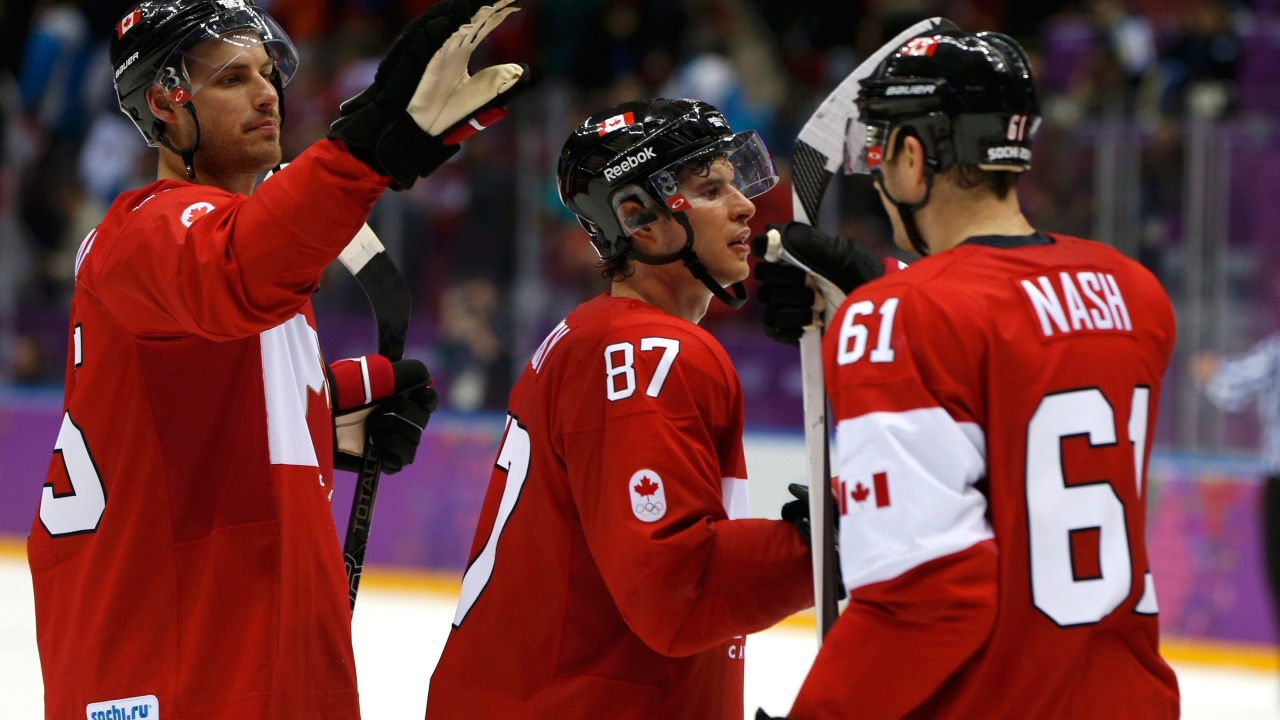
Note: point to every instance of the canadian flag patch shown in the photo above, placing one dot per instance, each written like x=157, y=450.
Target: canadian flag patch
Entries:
x=858, y=494
x=921, y=47
x=128, y=22
x=617, y=122
x=195, y=212
x=648, y=496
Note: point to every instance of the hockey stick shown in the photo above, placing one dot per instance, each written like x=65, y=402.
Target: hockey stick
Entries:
x=367, y=260
x=819, y=152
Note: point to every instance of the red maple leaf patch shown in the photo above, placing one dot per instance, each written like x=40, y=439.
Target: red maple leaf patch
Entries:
x=859, y=493
x=646, y=488
x=198, y=213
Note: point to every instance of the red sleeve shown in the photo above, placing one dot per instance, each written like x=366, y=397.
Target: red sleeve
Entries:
x=193, y=259
x=899, y=640
x=647, y=473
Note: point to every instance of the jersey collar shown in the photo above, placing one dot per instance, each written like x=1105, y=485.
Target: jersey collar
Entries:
x=1009, y=241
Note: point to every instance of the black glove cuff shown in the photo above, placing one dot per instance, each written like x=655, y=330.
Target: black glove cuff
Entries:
x=391, y=143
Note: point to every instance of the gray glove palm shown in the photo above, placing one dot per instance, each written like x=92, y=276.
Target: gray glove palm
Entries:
x=422, y=102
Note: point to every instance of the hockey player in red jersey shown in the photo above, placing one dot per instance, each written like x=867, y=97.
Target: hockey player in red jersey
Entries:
x=184, y=557
x=613, y=572
x=994, y=404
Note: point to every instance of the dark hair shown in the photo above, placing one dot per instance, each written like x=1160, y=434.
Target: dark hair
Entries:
x=972, y=177
x=616, y=268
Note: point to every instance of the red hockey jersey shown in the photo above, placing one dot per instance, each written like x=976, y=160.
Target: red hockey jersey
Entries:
x=184, y=554
x=995, y=406
x=609, y=576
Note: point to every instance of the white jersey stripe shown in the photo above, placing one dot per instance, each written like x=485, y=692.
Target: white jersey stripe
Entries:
x=734, y=495
x=913, y=497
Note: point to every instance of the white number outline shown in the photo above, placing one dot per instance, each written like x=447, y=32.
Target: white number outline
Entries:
x=851, y=330
x=1081, y=601
x=670, y=349
x=514, y=458
x=627, y=369
x=79, y=511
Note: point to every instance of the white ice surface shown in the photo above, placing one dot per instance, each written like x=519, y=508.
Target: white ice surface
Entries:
x=399, y=634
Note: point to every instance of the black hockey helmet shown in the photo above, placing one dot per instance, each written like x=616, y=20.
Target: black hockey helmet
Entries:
x=636, y=151
x=969, y=99
x=152, y=44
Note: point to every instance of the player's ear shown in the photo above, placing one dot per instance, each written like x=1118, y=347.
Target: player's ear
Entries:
x=643, y=234
x=165, y=110
x=911, y=157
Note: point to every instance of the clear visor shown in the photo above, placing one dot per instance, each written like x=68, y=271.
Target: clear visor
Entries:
x=238, y=37
x=866, y=143
x=741, y=166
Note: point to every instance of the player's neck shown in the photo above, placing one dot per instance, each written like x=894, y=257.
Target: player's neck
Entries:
x=668, y=287
x=172, y=168
x=953, y=216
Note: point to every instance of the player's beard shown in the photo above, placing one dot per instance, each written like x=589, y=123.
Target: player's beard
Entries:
x=238, y=158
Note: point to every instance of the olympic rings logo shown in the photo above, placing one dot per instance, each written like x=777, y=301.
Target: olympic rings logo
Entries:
x=649, y=508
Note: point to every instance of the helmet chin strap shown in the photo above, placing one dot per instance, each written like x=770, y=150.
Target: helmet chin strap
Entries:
x=188, y=155
x=906, y=211
x=691, y=261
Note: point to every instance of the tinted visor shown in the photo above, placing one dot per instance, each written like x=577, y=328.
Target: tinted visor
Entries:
x=739, y=163
x=866, y=144
x=218, y=42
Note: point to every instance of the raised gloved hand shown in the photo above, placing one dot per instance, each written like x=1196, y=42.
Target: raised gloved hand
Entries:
x=422, y=102
x=387, y=402
x=798, y=259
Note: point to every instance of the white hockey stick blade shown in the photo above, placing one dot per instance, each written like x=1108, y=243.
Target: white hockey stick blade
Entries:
x=361, y=249
x=820, y=146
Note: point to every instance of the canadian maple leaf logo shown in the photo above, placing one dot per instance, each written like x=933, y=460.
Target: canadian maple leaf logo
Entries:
x=859, y=493
x=646, y=488
x=195, y=212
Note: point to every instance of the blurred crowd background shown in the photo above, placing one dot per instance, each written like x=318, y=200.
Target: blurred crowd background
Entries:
x=1161, y=137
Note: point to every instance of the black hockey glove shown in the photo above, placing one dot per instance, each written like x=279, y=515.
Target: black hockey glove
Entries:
x=794, y=252
x=387, y=402
x=396, y=427
x=423, y=102
x=796, y=512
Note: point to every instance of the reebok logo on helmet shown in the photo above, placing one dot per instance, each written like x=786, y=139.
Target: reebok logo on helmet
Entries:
x=628, y=163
